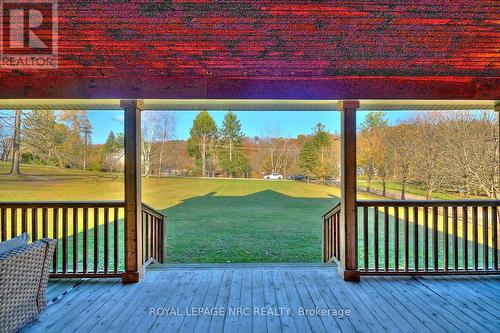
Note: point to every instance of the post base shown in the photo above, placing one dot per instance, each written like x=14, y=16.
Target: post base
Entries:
x=349, y=275
x=133, y=277
x=352, y=276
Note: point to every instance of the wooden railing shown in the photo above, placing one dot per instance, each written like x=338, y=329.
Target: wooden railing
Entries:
x=153, y=224
x=331, y=237
x=90, y=234
x=428, y=237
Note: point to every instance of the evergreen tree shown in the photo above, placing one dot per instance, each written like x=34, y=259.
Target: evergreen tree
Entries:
x=110, y=146
x=203, y=134
x=316, y=158
x=232, y=159
x=308, y=160
x=374, y=120
x=120, y=141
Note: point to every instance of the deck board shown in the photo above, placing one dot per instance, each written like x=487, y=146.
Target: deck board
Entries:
x=392, y=304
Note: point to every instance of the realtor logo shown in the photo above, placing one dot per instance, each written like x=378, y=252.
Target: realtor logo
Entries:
x=29, y=34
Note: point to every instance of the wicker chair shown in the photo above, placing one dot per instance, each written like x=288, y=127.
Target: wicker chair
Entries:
x=24, y=274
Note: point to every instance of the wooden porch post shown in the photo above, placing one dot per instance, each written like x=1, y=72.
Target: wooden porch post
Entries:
x=134, y=269
x=348, y=222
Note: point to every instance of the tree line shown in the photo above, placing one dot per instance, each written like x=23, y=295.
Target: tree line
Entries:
x=227, y=151
x=456, y=152
x=60, y=139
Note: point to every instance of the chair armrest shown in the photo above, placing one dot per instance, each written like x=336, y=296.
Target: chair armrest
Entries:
x=23, y=279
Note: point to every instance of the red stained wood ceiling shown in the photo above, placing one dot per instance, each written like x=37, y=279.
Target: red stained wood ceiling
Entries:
x=270, y=49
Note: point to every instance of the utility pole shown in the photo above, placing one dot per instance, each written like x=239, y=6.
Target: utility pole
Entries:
x=86, y=133
x=16, y=145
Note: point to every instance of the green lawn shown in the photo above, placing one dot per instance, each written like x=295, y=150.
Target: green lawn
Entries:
x=209, y=220
x=410, y=189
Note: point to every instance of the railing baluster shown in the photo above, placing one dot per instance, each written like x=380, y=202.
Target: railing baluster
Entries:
x=325, y=242
x=96, y=240
x=465, y=236
x=146, y=221
x=485, y=239
x=426, y=238
x=65, y=240
x=61, y=221
x=396, y=238
x=331, y=235
x=24, y=220
x=115, y=240
x=437, y=251
x=13, y=222
x=328, y=240
x=435, y=243
x=85, y=240
x=495, y=244
x=386, y=238
x=337, y=232
x=4, y=224
x=162, y=244
x=145, y=237
x=329, y=249
x=106, y=240
x=415, y=239
x=365, y=237
x=75, y=239
x=34, y=224
x=151, y=239
x=375, y=240
x=154, y=234
x=445, y=238
x=454, y=212
x=475, y=233
x=45, y=222
x=406, y=237
x=55, y=235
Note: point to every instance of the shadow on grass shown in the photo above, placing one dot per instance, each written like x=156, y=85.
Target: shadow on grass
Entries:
x=264, y=227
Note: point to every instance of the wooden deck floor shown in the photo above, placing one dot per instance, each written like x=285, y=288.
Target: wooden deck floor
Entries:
x=270, y=298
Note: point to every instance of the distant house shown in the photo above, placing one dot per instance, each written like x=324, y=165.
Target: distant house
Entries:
x=166, y=172
x=114, y=162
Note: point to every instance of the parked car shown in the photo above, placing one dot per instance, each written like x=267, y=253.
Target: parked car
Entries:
x=273, y=176
x=297, y=177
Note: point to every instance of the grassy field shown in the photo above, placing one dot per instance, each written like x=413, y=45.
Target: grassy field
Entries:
x=209, y=220
x=395, y=187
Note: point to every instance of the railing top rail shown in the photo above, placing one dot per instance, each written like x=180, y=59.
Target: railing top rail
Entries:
x=426, y=203
x=152, y=211
x=62, y=204
x=332, y=211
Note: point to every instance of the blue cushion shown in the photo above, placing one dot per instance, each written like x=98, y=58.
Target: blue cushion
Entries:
x=14, y=243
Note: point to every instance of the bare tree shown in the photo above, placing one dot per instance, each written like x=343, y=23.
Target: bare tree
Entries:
x=5, y=136
x=472, y=152
x=367, y=150
x=157, y=129
x=404, y=148
x=16, y=145
x=428, y=162
x=276, y=152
